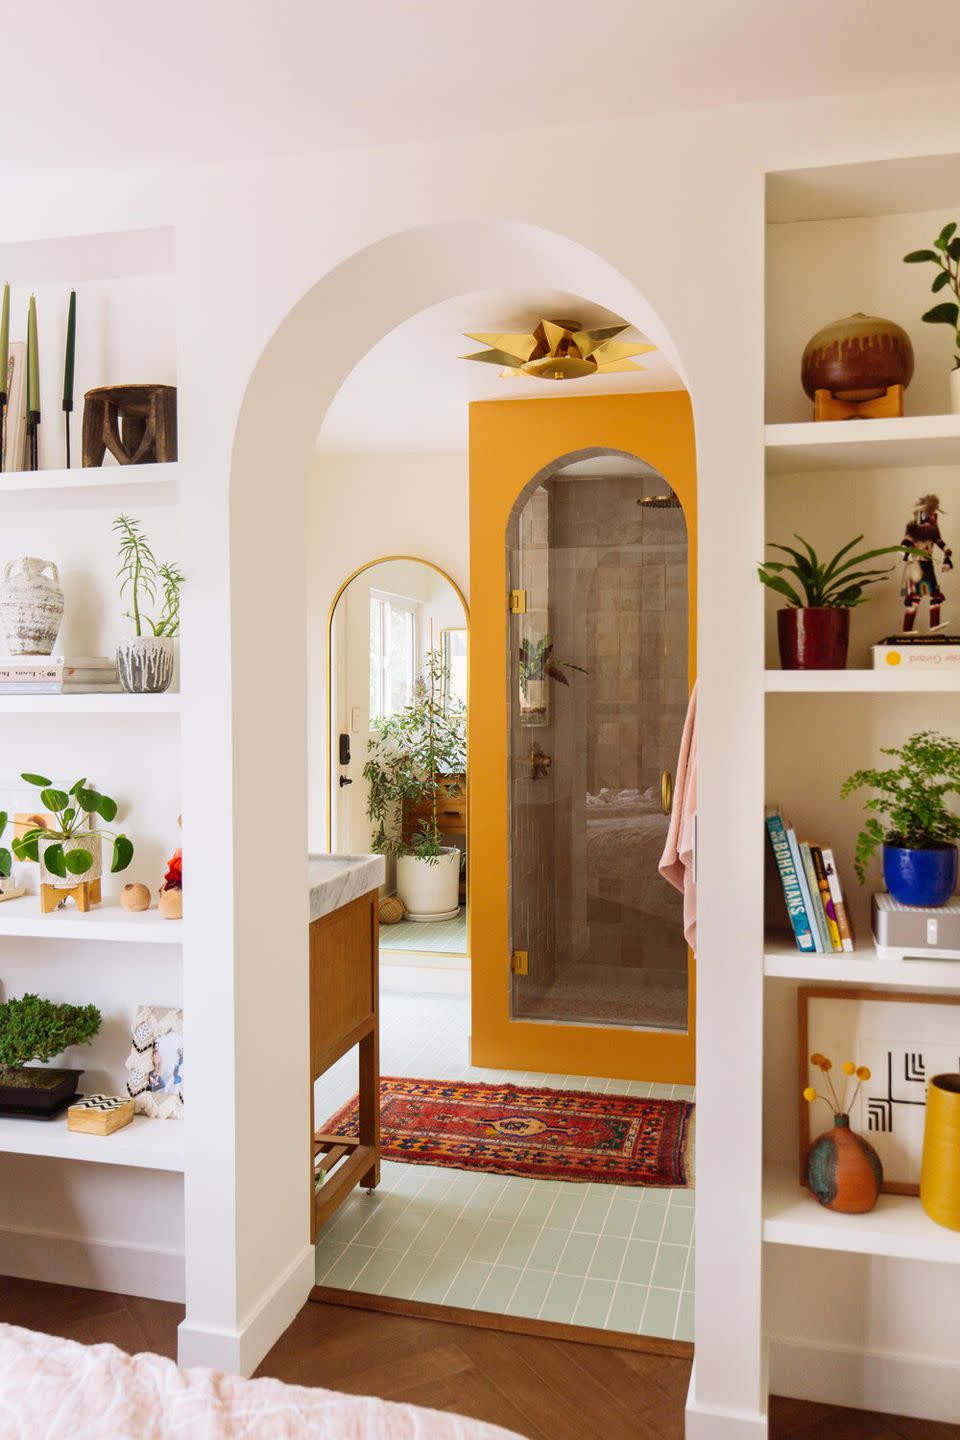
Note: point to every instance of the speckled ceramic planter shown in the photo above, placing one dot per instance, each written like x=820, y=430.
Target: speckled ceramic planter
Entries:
x=31, y=605
x=145, y=664
x=93, y=844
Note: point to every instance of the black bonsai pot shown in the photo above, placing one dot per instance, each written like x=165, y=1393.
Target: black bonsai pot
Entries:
x=36, y=1093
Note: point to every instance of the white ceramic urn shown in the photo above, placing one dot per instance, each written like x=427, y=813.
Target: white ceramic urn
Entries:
x=31, y=605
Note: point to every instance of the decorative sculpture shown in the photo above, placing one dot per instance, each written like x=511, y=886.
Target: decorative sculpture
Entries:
x=919, y=571
x=136, y=423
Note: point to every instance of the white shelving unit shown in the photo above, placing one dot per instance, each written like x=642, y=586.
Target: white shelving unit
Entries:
x=130, y=706
x=144, y=1144
x=908, y=441
x=897, y=1227
x=783, y=960
x=107, y=921
x=104, y=479
x=861, y=682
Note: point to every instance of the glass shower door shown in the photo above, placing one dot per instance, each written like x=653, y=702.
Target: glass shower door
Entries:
x=597, y=694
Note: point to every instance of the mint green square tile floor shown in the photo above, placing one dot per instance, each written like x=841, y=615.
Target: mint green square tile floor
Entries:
x=614, y=1257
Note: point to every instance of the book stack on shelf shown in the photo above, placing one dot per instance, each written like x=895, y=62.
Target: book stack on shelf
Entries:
x=811, y=888
x=55, y=675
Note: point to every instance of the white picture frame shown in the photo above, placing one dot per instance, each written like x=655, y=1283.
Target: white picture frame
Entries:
x=155, y=1063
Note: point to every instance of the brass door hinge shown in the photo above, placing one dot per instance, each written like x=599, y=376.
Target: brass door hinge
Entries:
x=518, y=602
x=519, y=962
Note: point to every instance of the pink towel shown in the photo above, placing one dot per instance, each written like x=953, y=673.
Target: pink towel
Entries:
x=676, y=862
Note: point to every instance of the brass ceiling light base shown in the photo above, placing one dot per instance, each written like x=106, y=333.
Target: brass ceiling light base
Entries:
x=560, y=350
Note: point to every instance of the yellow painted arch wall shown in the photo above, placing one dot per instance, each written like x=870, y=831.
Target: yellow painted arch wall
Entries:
x=511, y=441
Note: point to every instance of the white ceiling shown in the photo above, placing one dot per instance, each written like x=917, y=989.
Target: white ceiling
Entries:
x=411, y=391
x=109, y=82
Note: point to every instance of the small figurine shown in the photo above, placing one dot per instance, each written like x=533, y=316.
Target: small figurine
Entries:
x=919, y=572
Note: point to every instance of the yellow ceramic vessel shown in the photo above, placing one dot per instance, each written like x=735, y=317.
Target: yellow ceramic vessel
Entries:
x=940, y=1170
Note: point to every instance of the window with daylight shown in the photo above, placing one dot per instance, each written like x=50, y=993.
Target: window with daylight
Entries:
x=393, y=653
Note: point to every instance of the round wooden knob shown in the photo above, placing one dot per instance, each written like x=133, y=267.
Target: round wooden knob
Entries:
x=135, y=897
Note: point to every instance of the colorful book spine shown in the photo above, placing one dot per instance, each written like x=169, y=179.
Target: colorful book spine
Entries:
x=819, y=914
x=844, y=924
x=826, y=896
x=789, y=879
x=794, y=843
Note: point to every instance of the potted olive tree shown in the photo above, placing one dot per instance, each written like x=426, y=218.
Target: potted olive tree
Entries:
x=145, y=661
x=919, y=836
x=416, y=756
x=71, y=850
x=945, y=255
x=813, y=629
x=32, y=1028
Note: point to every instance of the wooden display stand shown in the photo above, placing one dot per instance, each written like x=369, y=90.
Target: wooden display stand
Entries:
x=85, y=894
x=136, y=423
x=827, y=406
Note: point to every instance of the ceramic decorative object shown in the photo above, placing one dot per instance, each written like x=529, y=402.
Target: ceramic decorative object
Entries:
x=940, y=1166
x=843, y=1170
x=91, y=843
x=145, y=664
x=857, y=358
x=925, y=877
x=31, y=605
x=812, y=638
x=920, y=580
x=171, y=904
x=135, y=897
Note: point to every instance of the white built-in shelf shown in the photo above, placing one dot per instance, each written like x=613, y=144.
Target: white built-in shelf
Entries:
x=103, y=479
x=905, y=442
x=129, y=705
x=108, y=921
x=891, y=681
x=897, y=1227
x=863, y=967
x=145, y=1143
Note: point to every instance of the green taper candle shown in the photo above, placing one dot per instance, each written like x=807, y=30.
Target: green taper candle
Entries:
x=4, y=339
x=70, y=356
x=33, y=360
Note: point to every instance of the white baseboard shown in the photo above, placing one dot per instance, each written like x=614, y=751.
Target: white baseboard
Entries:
x=703, y=1422
x=413, y=973
x=240, y=1351
x=892, y=1383
x=94, y=1264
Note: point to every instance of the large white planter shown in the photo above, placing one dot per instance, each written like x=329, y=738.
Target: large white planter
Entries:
x=955, y=391
x=430, y=891
x=91, y=843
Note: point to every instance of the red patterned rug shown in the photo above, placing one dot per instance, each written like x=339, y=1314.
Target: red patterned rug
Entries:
x=543, y=1134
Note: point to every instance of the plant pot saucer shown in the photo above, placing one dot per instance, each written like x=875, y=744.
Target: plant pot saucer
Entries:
x=433, y=915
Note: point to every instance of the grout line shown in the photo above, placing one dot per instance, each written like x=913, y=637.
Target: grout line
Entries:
x=656, y=1257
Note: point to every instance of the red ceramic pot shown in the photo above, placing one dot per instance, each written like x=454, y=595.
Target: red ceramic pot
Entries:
x=813, y=639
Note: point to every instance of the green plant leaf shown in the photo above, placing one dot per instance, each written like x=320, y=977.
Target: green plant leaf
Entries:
x=89, y=801
x=68, y=817
x=54, y=799
x=943, y=239
x=6, y=863
x=782, y=587
x=942, y=279
x=946, y=313
x=122, y=854
x=36, y=779
x=3, y=821
x=916, y=256
x=78, y=862
x=27, y=847
x=108, y=808
x=78, y=785
x=54, y=861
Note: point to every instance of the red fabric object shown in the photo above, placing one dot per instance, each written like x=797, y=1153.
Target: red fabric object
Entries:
x=544, y=1134
x=173, y=880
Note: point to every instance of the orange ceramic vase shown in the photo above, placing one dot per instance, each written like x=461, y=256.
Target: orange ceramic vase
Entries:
x=843, y=1170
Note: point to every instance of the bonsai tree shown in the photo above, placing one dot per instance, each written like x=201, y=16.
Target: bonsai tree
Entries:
x=32, y=1028
x=945, y=255
x=911, y=796
x=407, y=760
x=537, y=663
x=74, y=810
x=142, y=576
x=836, y=584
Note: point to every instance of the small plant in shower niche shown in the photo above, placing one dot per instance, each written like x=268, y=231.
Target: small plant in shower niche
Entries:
x=145, y=662
x=537, y=665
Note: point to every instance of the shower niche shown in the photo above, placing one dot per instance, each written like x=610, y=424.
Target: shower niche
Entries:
x=597, y=559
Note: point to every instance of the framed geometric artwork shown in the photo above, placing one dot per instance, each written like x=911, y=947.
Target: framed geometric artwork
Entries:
x=155, y=1063
x=904, y=1039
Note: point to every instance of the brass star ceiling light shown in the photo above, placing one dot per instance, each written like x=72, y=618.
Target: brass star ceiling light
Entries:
x=560, y=350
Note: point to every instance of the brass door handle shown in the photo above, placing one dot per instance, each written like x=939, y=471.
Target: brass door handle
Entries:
x=666, y=792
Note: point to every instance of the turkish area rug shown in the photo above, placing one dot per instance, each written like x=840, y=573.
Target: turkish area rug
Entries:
x=542, y=1134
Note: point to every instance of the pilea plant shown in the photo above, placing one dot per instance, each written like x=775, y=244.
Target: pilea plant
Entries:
x=537, y=663
x=32, y=1028
x=912, y=796
x=834, y=584
x=142, y=576
x=946, y=256
x=6, y=859
x=74, y=810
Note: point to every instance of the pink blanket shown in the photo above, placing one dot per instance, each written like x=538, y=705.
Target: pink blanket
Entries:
x=53, y=1389
x=677, y=861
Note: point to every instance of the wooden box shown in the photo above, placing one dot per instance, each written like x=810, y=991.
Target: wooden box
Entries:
x=100, y=1114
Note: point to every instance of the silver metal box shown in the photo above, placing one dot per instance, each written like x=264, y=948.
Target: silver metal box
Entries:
x=901, y=931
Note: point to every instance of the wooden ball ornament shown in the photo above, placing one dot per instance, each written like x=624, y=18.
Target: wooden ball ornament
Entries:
x=391, y=910
x=135, y=897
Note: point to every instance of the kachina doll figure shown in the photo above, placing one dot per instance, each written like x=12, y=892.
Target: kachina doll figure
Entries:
x=919, y=572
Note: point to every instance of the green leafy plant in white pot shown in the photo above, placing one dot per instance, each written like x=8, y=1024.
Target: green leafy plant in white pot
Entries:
x=70, y=850
x=145, y=661
x=6, y=860
x=945, y=255
x=418, y=755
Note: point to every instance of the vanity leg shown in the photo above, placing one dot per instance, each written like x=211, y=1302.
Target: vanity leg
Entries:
x=370, y=1105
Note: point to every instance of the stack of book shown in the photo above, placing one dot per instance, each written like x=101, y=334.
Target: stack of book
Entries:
x=811, y=888
x=55, y=675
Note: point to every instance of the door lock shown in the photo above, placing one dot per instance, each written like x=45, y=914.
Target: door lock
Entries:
x=345, y=780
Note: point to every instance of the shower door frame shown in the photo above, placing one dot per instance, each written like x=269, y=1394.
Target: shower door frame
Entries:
x=512, y=442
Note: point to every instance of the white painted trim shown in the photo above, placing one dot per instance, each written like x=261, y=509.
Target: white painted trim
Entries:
x=424, y=978
x=240, y=1351
x=702, y=1422
x=881, y=1380
x=121, y=1269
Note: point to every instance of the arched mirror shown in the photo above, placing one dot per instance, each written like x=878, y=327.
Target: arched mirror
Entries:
x=398, y=646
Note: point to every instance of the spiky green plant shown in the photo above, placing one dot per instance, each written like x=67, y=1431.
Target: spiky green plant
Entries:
x=837, y=584
x=142, y=576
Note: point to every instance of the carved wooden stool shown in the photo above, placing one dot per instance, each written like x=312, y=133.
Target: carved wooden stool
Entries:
x=136, y=423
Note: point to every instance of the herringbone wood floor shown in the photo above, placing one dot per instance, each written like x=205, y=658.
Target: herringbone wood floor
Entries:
x=543, y=1389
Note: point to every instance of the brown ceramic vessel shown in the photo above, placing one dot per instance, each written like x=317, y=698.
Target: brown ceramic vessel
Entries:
x=858, y=358
x=813, y=638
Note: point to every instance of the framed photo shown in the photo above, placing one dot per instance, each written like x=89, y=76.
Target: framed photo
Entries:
x=904, y=1038
x=155, y=1063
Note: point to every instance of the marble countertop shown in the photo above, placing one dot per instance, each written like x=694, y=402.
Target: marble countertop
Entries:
x=335, y=880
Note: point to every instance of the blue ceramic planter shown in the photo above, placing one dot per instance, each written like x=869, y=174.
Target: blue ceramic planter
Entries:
x=920, y=877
